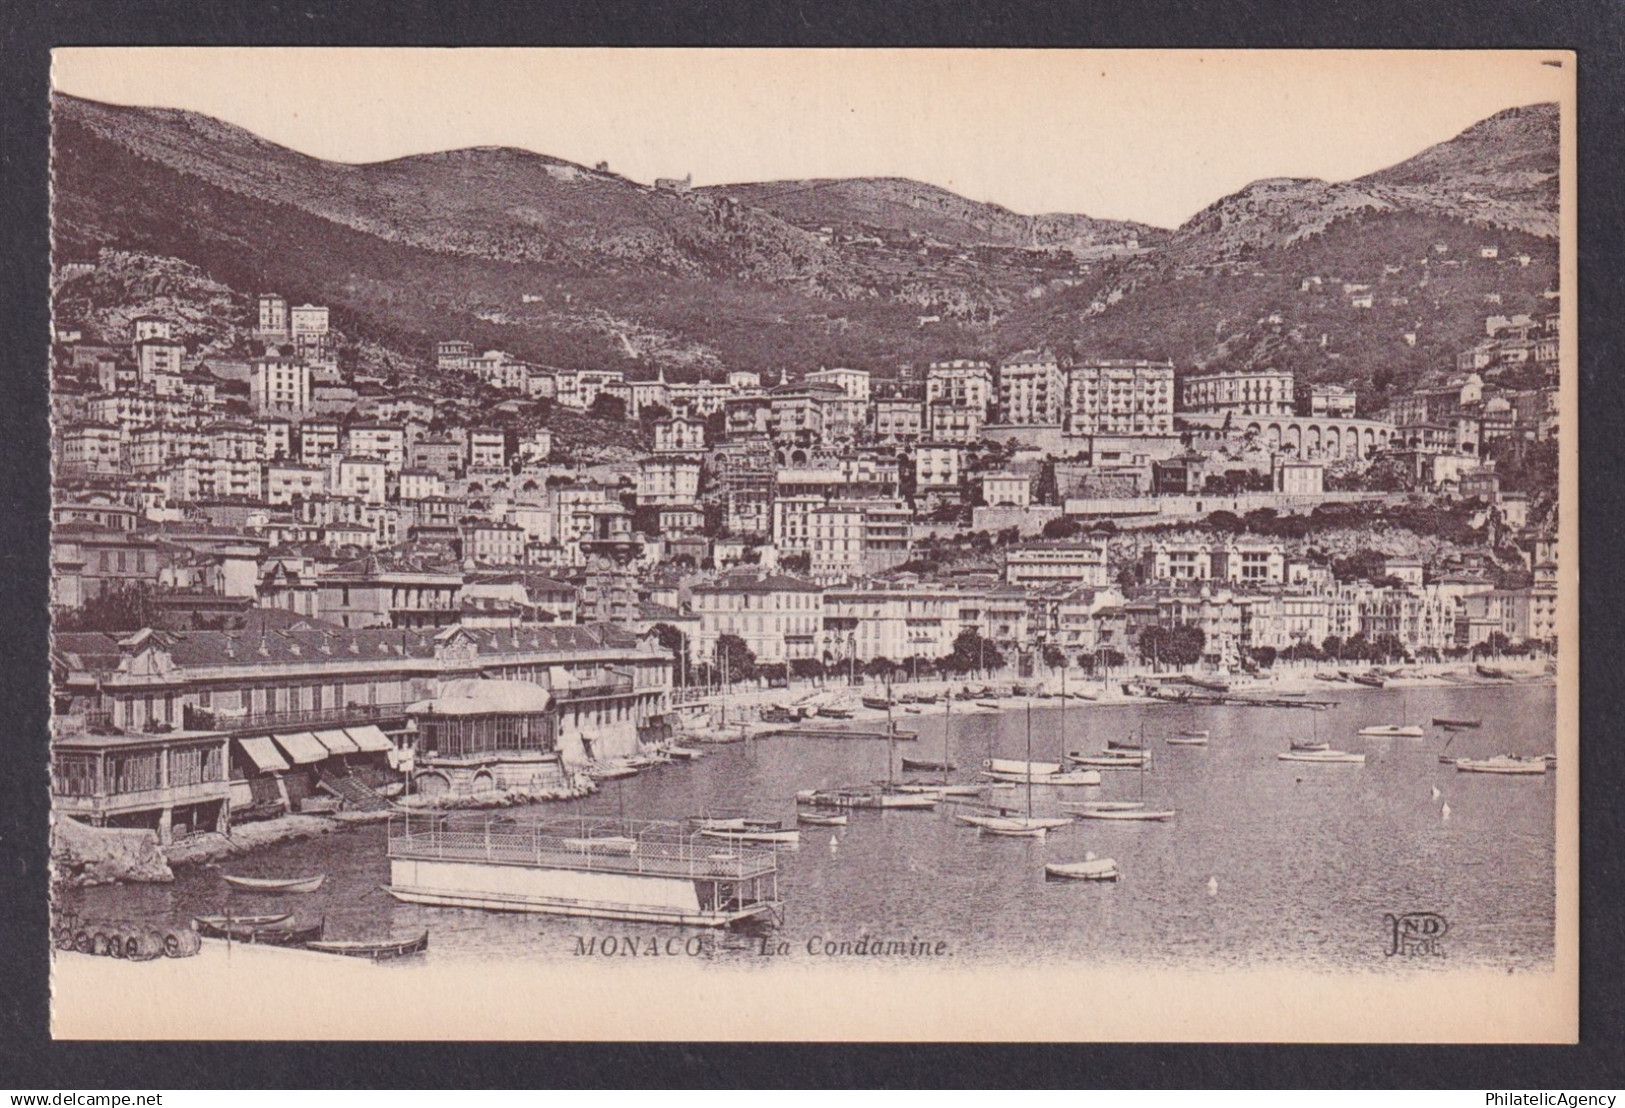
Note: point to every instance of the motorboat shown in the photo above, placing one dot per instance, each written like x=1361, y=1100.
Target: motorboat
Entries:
x=1510, y=765
x=1392, y=731
x=1096, y=869
x=1334, y=757
x=1148, y=815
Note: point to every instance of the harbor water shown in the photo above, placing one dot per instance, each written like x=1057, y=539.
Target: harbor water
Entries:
x=1265, y=862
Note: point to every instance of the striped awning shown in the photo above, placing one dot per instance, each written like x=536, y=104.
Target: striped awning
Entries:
x=337, y=742
x=369, y=738
x=263, y=754
x=302, y=746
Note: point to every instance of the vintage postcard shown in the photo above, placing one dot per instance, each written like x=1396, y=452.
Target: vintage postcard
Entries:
x=814, y=544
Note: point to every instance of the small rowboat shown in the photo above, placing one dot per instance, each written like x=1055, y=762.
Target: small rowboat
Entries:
x=220, y=922
x=1099, y=869
x=377, y=951
x=1186, y=740
x=878, y=703
x=1138, y=814
x=1311, y=744
x=1392, y=731
x=1337, y=757
x=987, y=704
x=1200, y=733
x=1457, y=724
x=276, y=884
x=818, y=819
x=835, y=713
x=1105, y=805
x=1129, y=744
x=928, y=764
x=1016, y=767
x=224, y=927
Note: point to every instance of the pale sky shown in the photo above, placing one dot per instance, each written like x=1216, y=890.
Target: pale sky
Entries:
x=1148, y=135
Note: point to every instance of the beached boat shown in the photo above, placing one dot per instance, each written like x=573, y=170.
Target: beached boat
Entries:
x=1094, y=869
x=276, y=934
x=1392, y=731
x=1506, y=764
x=221, y=922
x=878, y=703
x=1457, y=724
x=1370, y=680
x=988, y=704
x=828, y=712
x=377, y=950
x=1130, y=815
x=928, y=764
x=1492, y=672
x=1321, y=756
x=673, y=877
x=276, y=884
x=821, y=819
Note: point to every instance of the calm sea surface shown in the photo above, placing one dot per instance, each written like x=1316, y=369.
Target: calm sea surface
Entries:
x=1307, y=858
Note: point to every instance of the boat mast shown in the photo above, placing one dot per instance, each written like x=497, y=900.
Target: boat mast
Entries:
x=947, y=724
x=1029, y=760
x=891, y=740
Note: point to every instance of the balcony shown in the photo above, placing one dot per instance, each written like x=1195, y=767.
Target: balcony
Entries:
x=296, y=719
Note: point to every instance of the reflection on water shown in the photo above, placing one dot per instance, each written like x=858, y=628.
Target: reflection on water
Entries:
x=1306, y=858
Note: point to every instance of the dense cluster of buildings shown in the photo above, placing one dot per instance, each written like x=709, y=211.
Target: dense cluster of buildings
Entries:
x=316, y=552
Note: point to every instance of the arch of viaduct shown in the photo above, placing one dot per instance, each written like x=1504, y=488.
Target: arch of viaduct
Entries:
x=1308, y=436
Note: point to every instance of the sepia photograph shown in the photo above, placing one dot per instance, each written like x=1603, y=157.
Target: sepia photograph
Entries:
x=813, y=544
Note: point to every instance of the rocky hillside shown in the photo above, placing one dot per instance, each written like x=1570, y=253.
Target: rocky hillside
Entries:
x=895, y=207
x=568, y=265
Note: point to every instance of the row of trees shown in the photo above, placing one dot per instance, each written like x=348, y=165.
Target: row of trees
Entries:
x=972, y=653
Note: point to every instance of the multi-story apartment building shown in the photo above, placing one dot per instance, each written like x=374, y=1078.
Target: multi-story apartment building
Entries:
x=679, y=436
x=1032, y=389
x=280, y=386
x=897, y=620
x=1006, y=490
x=308, y=329
x=1059, y=563
x=286, y=482
x=960, y=384
x=90, y=450
x=366, y=479
x=272, y=326
x=1261, y=392
x=669, y=480
x=779, y=618
x=1239, y=562
x=937, y=469
x=957, y=423
x=853, y=382
x=898, y=420
x=487, y=449
x=383, y=441
x=319, y=441
x=1120, y=397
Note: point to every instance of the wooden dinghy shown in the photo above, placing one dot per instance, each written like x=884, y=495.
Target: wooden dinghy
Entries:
x=276, y=884
x=1187, y=740
x=278, y=934
x=820, y=819
x=928, y=765
x=1457, y=724
x=1509, y=765
x=377, y=951
x=1105, y=805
